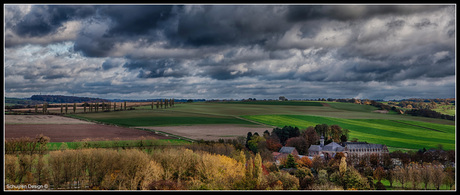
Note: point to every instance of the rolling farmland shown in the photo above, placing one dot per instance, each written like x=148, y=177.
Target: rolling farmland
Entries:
x=396, y=131
x=393, y=133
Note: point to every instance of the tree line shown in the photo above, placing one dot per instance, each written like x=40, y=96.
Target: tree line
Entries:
x=65, y=99
x=222, y=165
x=99, y=106
x=169, y=168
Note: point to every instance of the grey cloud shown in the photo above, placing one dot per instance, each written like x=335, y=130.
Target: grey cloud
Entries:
x=351, y=12
x=157, y=68
x=110, y=64
x=94, y=45
x=227, y=25
x=46, y=19
x=55, y=75
x=133, y=20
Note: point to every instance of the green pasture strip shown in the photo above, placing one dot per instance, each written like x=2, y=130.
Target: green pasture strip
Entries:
x=439, y=127
x=280, y=120
x=171, y=121
x=351, y=107
x=398, y=186
x=379, y=131
x=139, y=118
x=387, y=127
x=123, y=114
x=234, y=109
x=118, y=143
x=446, y=109
x=284, y=103
x=398, y=142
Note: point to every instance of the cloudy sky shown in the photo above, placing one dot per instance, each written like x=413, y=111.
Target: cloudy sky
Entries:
x=230, y=51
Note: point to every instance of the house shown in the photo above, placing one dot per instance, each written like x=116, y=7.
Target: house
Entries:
x=282, y=98
x=347, y=148
x=283, y=153
x=288, y=150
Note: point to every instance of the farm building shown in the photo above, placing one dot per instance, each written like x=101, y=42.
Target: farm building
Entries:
x=348, y=148
x=283, y=153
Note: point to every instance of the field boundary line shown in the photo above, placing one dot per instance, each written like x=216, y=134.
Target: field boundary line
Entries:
x=417, y=126
x=255, y=122
x=165, y=134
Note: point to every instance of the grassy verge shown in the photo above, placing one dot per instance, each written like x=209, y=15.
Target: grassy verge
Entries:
x=284, y=103
x=116, y=143
x=408, y=186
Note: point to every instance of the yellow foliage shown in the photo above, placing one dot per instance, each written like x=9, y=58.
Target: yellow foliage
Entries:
x=219, y=171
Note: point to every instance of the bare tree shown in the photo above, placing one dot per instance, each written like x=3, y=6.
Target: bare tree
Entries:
x=437, y=175
x=414, y=175
x=401, y=175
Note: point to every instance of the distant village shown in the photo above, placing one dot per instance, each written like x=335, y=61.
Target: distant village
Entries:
x=348, y=149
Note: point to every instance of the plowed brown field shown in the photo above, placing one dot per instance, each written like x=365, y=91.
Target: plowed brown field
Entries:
x=63, y=129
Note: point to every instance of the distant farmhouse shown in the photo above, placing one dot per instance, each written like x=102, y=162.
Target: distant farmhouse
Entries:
x=282, y=98
x=284, y=152
x=348, y=148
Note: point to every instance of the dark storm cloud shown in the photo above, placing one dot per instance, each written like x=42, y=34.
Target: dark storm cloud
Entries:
x=226, y=25
x=46, y=19
x=121, y=24
x=94, y=46
x=157, y=68
x=298, y=13
x=110, y=64
x=136, y=19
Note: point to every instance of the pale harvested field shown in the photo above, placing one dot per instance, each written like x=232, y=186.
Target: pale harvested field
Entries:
x=212, y=132
x=42, y=119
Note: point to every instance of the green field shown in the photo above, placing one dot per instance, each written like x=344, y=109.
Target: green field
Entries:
x=394, y=130
x=446, y=109
x=120, y=143
x=139, y=118
x=393, y=133
x=284, y=103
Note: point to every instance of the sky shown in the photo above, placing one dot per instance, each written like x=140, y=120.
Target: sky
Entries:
x=261, y=51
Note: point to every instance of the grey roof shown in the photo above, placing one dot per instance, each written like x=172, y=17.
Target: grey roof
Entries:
x=287, y=150
x=314, y=148
x=333, y=147
x=364, y=146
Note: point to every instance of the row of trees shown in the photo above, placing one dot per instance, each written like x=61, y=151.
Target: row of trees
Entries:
x=419, y=176
x=164, y=103
x=100, y=106
x=429, y=113
x=133, y=169
x=63, y=99
x=87, y=107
